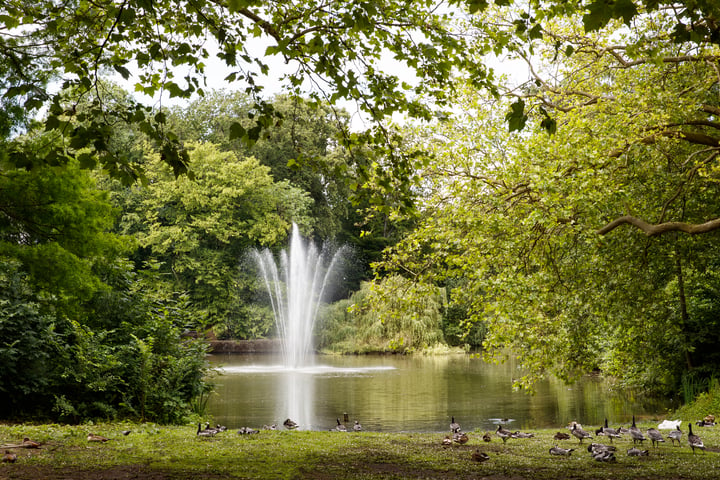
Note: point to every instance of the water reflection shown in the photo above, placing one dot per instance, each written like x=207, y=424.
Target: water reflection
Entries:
x=394, y=393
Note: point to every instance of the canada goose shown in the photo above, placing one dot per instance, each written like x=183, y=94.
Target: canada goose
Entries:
x=655, y=436
x=608, y=432
x=579, y=433
x=599, y=447
x=502, y=433
x=479, y=456
x=96, y=438
x=9, y=457
x=561, y=436
x=675, y=435
x=340, y=427
x=290, y=425
x=357, y=427
x=270, y=427
x=636, y=452
x=126, y=432
x=454, y=426
x=486, y=437
x=247, y=431
x=204, y=432
x=522, y=435
x=561, y=451
x=460, y=437
x=635, y=432
x=694, y=440
x=604, y=456
x=220, y=428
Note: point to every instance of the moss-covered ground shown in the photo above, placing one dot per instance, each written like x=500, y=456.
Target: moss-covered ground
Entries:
x=161, y=452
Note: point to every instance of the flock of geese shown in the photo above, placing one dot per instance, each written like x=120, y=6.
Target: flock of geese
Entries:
x=598, y=451
x=289, y=424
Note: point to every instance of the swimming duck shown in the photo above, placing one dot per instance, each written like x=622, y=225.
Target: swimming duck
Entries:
x=290, y=425
x=357, y=427
x=486, y=437
x=460, y=437
x=579, y=433
x=636, y=452
x=655, y=436
x=675, y=435
x=635, y=432
x=9, y=457
x=561, y=451
x=454, y=426
x=561, y=436
x=502, y=433
x=479, y=456
x=694, y=440
x=340, y=427
x=96, y=438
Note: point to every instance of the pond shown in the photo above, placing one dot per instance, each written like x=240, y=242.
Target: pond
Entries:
x=408, y=394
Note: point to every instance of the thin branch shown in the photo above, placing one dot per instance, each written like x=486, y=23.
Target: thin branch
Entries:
x=653, y=230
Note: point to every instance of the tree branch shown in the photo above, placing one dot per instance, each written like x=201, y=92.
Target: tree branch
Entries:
x=652, y=230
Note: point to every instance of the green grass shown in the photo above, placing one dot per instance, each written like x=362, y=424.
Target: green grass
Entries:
x=160, y=452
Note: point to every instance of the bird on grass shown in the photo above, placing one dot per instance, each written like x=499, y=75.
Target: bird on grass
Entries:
x=579, y=433
x=9, y=457
x=270, y=427
x=357, y=427
x=447, y=440
x=655, y=436
x=635, y=432
x=675, y=435
x=454, y=426
x=290, y=425
x=503, y=433
x=460, y=437
x=247, y=431
x=205, y=432
x=96, y=438
x=561, y=451
x=599, y=447
x=522, y=435
x=27, y=443
x=486, y=437
x=636, y=452
x=694, y=440
x=340, y=427
x=479, y=456
x=608, y=432
x=561, y=436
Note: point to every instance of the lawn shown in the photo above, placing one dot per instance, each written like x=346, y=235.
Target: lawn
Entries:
x=174, y=452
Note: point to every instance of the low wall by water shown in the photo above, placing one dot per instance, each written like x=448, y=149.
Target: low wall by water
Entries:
x=264, y=345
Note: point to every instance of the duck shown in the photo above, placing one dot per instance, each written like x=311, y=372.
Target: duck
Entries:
x=9, y=457
x=357, y=427
x=561, y=451
x=636, y=452
x=479, y=456
x=561, y=436
x=675, y=435
x=460, y=437
x=579, y=433
x=27, y=443
x=454, y=426
x=289, y=424
x=247, y=431
x=655, y=436
x=517, y=434
x=608, y=432
x=694, y=440
x=270, y=427
x=487, y=437
x=340, y=427
x=204, y=432
x=503, y=433
x=96, y=438
x=447, y=440
x=635, y=432
x=220, y=428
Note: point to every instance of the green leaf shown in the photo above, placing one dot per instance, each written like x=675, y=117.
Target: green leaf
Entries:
x=516, y=117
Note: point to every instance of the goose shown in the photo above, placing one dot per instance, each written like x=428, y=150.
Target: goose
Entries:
x=561, y=451
x=579, y=433
x=561, y=436
x=502, y=433
x=608, y=432
x=289, y=424
x=247, y=431
x=694, y=440
x=447, y=440
x=604, y=456
x=96, y=438
x=220, y=428
x=655, y=436
x=522, y=435
x=479, y=456
x=636, y=452
x=340, y=427
x=486, y=437
x=9, y=457
x=270, y=427
x=204, y=432
x=635, y=432
x=460, y=437
x=454, y=426
x=357, y=427
x=599, y=447
x=675, y=435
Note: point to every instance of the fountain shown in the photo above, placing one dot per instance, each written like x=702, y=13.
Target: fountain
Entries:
x=295, y=290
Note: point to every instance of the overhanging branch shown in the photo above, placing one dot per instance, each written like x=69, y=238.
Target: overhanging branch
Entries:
x=652, y=230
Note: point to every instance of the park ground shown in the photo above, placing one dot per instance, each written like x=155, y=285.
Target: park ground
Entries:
x=155, y=452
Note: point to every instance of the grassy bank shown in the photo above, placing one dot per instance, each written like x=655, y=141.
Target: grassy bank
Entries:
x=159, y=452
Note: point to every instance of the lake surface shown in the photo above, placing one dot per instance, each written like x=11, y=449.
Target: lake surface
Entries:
x=408, y=394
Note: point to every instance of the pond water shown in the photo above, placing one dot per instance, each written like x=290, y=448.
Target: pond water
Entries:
x=408, y=394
